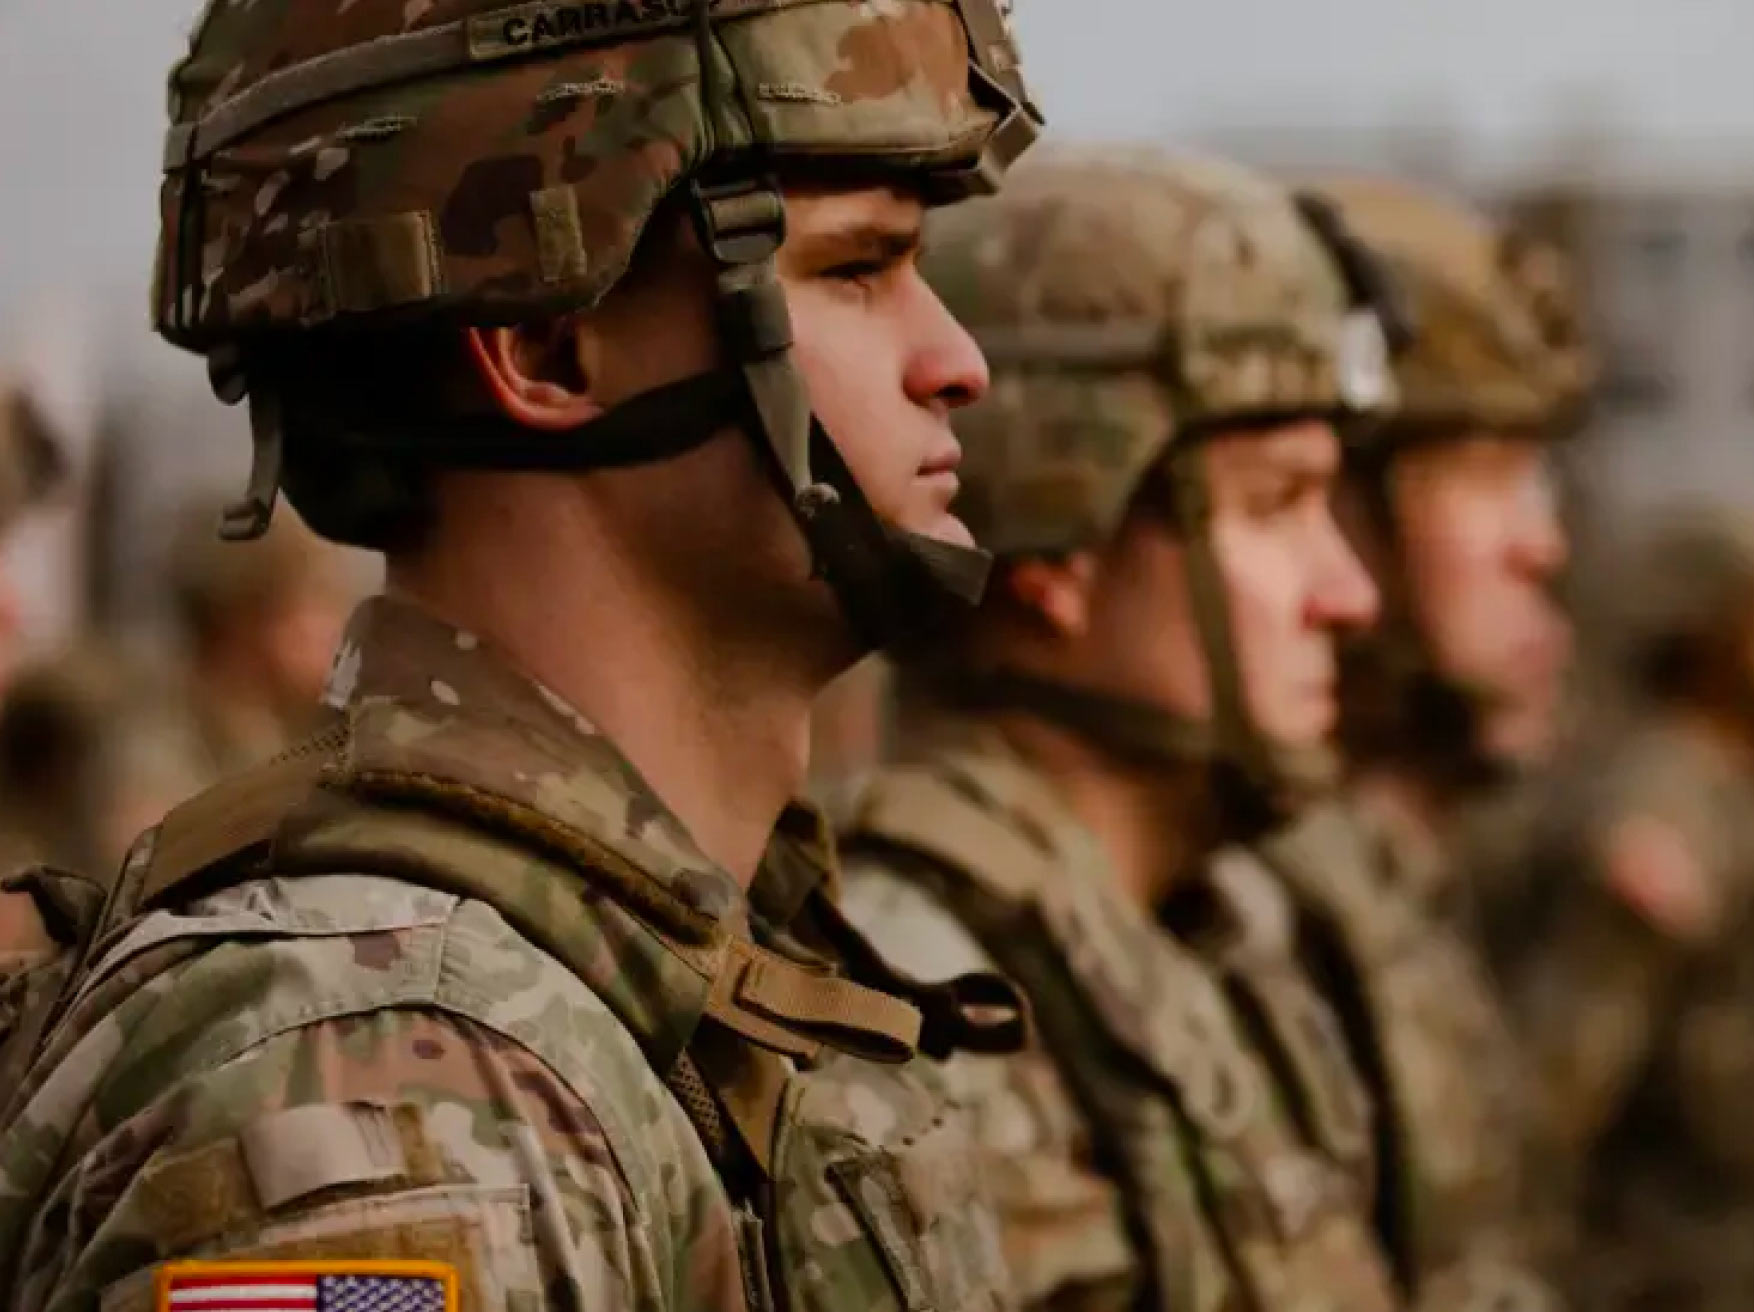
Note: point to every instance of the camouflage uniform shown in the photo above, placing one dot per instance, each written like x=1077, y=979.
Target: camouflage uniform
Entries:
x=474, y=1053
x=448, y=982
x=1188, y=1133
x=1494, y=351
x=1635, y=994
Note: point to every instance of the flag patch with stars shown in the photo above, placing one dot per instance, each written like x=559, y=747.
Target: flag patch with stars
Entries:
x=340, y=1286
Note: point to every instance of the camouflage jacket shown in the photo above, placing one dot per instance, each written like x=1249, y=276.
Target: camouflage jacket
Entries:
x=543, y=1040
x=1426, y=1025
x=46, y=917
x=1146, y=1153
x=1636, y=998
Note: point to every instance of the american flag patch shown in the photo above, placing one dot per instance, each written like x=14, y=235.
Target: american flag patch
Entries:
x=343, y=1286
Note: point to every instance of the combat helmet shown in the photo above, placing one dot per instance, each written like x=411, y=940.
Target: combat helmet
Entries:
x=1131, y=304
x=1498, y=347
x=478, y=162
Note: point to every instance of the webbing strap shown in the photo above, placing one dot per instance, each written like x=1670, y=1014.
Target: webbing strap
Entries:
x=796, y=1010
x=1233, y=727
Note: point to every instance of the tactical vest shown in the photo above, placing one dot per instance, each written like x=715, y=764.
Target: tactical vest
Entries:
x=772, y=1048
x=1238, y=1192
x=1423, y=1021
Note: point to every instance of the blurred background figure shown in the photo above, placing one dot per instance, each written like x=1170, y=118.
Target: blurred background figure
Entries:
x=1452, y=696
x=33, y=466
x=259, y=622
x=1455, y=504
x=1635, y=983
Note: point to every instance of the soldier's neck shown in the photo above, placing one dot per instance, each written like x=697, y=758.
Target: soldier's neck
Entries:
x=1154, y=824
x=716, y=728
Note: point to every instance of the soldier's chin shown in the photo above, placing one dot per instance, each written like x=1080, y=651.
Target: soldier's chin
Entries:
x=947, y=528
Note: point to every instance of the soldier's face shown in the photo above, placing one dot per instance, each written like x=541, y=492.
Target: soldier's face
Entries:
x=1481, y=542
x=1290, y=577
x=884, y=361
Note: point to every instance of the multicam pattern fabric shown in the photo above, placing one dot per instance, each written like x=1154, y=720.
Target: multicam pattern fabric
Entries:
x=512, y=172
x=314, y=1063
x=1146, y=294
x=1636, y=997
x=1427, y=1021
x=1145, y=1154
x=1498, y=339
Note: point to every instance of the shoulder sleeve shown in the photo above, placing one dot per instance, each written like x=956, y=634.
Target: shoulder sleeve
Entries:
x=407, y=1135
x=1061, y=1220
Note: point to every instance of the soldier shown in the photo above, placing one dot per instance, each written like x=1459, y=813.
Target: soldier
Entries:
x=261, y=621
x=37, y=918
x=1174, y=344
x=1458, y=687
x=477, y=1000
x=1636, y=991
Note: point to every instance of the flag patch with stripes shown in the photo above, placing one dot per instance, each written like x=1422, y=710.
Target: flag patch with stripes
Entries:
x=338, y=1286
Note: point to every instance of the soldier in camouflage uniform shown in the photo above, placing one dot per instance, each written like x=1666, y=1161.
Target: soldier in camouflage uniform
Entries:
x=522, y=973
x=1636, y=993
x=34, y=921
x=1458, y=685
x=1174, y=342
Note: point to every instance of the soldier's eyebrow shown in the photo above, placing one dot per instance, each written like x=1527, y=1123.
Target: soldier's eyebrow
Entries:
x=873, y=241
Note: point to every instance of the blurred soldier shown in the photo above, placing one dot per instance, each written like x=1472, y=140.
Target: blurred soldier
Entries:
x=520, y=985
x=39, y=916
x=1174, y=343
x=1638, y=988
x=261, y=620
x=1459, y=686
x=32, y=467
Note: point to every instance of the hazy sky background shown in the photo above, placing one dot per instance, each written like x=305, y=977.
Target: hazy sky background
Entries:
x=81, y=101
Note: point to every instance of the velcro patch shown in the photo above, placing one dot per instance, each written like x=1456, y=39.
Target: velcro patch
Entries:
x=365, y=1285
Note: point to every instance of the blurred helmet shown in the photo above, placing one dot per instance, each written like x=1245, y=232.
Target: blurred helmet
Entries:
x=387, y=162
x=1129, y=304
x=1497, y=347
x=1498, y=341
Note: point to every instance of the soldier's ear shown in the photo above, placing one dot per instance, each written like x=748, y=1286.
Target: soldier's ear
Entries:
x=1055, y=592
x=531, y=374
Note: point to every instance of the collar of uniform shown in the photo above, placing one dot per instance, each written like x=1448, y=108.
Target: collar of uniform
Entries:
x=426, y=698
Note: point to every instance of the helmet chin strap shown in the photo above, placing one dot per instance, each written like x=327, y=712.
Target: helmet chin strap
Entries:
x=1258, y=782
x=894, y=587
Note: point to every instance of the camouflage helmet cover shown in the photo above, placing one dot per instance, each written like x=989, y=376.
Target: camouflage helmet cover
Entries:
x=1498, y=341
x=1123, y=298
x=501, y=161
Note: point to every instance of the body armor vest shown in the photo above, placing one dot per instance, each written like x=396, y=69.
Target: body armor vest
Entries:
x=767, y=1041
x=1239, y=1189
x=1423, y=1021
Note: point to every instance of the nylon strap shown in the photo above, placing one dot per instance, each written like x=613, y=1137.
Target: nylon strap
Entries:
x=792, y=1009
x=668, y=420
x=1234, y=733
